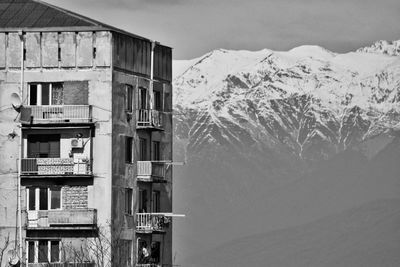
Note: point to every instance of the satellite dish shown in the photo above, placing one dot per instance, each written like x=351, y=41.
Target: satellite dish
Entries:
x=13, y=258
x=16, y=101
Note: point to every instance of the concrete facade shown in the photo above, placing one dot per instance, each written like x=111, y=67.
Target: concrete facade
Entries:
x=78, y=189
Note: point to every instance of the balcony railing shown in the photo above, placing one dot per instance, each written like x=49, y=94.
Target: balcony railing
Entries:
x=56, y=114
x=149, y=118
x=147, y=265
x=61, y=218
x=151, y=171
x=149, y=222
x=55, y=166
x=62, y=264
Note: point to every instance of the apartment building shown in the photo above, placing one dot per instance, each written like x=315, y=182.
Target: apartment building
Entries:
x=86, y=133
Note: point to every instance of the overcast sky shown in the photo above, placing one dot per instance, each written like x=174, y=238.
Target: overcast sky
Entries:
x=194, y=27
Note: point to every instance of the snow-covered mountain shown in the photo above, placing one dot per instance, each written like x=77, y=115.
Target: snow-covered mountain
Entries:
x=255, y=128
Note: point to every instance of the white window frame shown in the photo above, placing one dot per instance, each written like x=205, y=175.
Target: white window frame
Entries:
x=36, y=250
x=39, y=92
x=37, y=198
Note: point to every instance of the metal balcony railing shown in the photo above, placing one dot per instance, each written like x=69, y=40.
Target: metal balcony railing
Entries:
x=149, y=118
x=148, y=222
x=151, y=171
x=61, y=218
x=55, y=166
x=147, y=265
x=56, y=114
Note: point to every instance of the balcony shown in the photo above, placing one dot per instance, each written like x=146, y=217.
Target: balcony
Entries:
x=56, y=114
x=62, y=264
x=149, y=119
x=151, y=222
x=147, y=265
x=151, y=171
x=42, y=167
x=62, y=219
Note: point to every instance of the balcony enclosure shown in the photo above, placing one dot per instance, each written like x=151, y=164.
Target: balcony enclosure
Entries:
x=149, y=118
x=151, y=222
x=151, y=171
x=85, y=218
x=66, y=153
x=63, y=114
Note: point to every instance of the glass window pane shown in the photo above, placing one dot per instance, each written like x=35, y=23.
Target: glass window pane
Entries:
x=55, y=198
x=57, y=95
x=55, y=251
x=45, y=94
x=31, y=251
x=32, y=198
x=43, y=199
x=43, y=251
x=33, y=95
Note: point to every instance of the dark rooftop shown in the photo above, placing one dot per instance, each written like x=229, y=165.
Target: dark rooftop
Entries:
x=38, y=14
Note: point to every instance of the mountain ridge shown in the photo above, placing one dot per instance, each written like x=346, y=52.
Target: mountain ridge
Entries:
x=254, y=128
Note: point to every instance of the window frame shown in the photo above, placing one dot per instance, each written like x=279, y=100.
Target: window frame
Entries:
x=38, y=198
x=128, y=201
x=129, y=149
x=129, y=98
x=35, y=253
x=39, y=93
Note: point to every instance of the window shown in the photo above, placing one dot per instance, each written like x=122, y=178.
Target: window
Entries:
x=156, y=151
x=155, y=252
x=43, y=198
x=128, y=149
x=128, y=201
x=157, y=100
x=155, y=195
x=41, y=251
x=142, y=98
x=142, y=201
x=129, y=98
x=44, y=146
x=43, y=94
x=142, y=149
x=127, y=252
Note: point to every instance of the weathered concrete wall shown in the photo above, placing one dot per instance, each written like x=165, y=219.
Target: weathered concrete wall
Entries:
x=122, y=172
x=56, y=50
x=46, y=67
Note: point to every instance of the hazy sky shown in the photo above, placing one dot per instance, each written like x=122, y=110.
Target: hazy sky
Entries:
x=194, y=27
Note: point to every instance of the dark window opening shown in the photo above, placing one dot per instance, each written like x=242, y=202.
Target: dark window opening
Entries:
x=142, y=201
x=156, y=151
x=129, y=98
x=155, y=252
x=157, y=100
x=156, y=201
x=142, y=149
x=128, y=201
x=44, y=146
x=142, y=98
x=128, y=149
x=32, y=198
x=54, y=251
x=31, y=252
x=43, y=251
x=55, y=198
x=43, y=199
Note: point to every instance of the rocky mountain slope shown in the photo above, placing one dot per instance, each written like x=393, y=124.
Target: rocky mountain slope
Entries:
x=257, y=128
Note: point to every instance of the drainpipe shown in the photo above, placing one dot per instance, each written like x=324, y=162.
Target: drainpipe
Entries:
x=19, y=214
x=151, y=95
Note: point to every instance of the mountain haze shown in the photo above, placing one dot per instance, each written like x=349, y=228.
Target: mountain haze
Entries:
x=275, y=141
